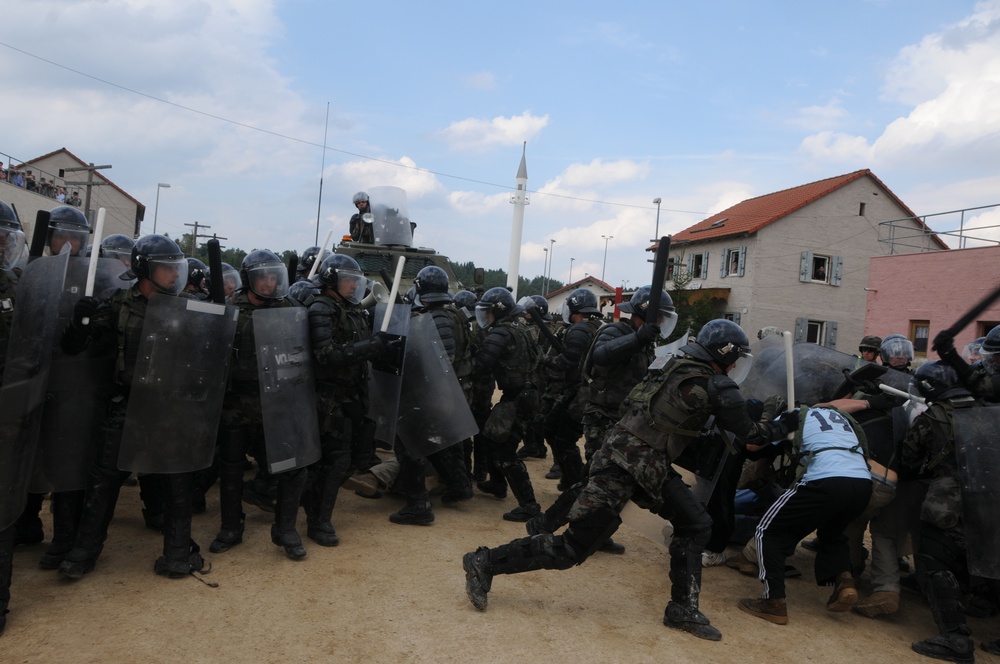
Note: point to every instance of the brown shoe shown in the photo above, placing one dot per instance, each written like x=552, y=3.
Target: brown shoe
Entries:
x=742, y=564
x=882, y=603
x=365, y=484
x=844, y=596
x=773, y=610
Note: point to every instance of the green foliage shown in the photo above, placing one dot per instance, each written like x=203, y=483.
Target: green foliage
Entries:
x=691, y=315
x=492, y=278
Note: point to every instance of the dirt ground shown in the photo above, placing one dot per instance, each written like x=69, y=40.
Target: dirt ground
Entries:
x=393, y=593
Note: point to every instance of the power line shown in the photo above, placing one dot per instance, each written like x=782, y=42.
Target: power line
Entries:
x=326, y=147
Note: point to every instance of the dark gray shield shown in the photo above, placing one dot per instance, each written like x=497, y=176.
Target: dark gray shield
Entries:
x=433, y=411
x=978, y=450
x=819, y=373
x=25, y=376
x=179, y=382
x=386, y=382
x=287, y=387
x=79, y=387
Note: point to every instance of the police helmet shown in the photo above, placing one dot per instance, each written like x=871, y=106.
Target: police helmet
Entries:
x=466, y=301
x=301, y=291
x=432, y=285
x=11, y=237
x=768, y=331
x=970, y=352
x=67, y=227
x=543, y=306
x=990, y=351
x=159, y=259
x=935, y=380
x=580, y=301
x=360, y=197
x=896, y=351
x=117, y=246
x=639, y=304
x=231, y=280
x=727, y=344
x=197, y=273
x=343, y=275
x=306, y=261
x=264, y=274
x=495, y=305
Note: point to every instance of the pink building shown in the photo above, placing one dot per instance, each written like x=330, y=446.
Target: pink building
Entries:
x=918, y=295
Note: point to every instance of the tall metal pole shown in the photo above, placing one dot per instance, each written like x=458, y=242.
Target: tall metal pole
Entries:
x=156, y=210
x=604, y=265
x=571, y=269
x=322, y=167
x=545, y=272
x=552, y=254
x=657, y=234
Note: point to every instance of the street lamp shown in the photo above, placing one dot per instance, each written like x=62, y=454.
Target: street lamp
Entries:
x=551, y=254
x=603, y=265
x=156, y=210
x=571, y=269
x=657, y=202
x=545, y=272
x=625, y=285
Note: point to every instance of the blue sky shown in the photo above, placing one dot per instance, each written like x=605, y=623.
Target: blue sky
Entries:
x=699, y=104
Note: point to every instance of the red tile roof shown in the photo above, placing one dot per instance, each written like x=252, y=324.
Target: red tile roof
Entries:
x=753, y=214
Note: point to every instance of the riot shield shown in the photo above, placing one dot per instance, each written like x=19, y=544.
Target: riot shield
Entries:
x=433, y=411
x=385, y=382
x=819, y=373
x=26, y=373
x=978, y=450
x=79, y=387
x=705, y=457
x=287, y=387
x=391, y=218
x=177, y=389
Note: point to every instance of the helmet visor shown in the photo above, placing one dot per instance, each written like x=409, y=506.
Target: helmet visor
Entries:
x=667, y=322
x=119, y=254
x=168, y=275
x=72, y=239
x=269, y=282
x=351, y=285
x=483, y=317
x=741, y=368
x=11, y=247
x=991, y=361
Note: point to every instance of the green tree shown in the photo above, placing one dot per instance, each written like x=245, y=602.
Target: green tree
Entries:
x=693, y=311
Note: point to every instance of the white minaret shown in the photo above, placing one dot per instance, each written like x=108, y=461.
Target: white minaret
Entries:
x=519, y=198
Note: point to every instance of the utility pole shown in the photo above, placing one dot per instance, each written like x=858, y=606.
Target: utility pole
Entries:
x=195, y=235
x=90, y=168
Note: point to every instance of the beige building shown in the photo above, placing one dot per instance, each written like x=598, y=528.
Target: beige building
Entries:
x=124, y=213
x=797, y=259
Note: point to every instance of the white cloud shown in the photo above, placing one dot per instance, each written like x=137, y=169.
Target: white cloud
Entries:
x=417, y=182
x=599, y=172
x=836, y=147
x=479, y=134
x=820, y=117
x=484, y=80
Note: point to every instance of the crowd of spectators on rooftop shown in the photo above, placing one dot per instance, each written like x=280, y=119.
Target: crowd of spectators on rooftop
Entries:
x=45, y=186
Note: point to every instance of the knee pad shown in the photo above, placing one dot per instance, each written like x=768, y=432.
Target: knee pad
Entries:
x=584, y=536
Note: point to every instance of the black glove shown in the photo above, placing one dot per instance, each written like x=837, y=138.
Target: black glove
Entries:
x=944, y=342
x=84, y=309
x=647, y=333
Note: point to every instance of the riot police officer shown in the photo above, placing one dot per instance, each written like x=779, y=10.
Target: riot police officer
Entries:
x=161, y=271
x=306, y=262
x=361, y=231
x=197, y=279
x=663, y=414
x=266, y=287
x=342, y=343
x=508, y=354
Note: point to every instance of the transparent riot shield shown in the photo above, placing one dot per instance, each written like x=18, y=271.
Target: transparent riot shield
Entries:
x=386, y=381
x=287, y=387
x=433, y=411
x=177, y=389
x=978, y=450
x=391, y=218
x=79, y=387
x=26, y=373
x=819, y=373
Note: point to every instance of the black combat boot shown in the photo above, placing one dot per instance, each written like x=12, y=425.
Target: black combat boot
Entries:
x=7, y=537
x=520, y=485
x=283, y=533
x=103, y=486
x=67, y=507
x=181, y=554
x=318, y=502
x=231, y=507
x=416, y=512
x=451, y=468
x=953, y=643
x=521, y=555
x=685, y=588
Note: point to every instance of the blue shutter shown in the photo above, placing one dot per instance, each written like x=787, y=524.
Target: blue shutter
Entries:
x=800, y=329
x=831, y=334
x=805, y=266
x=704, y=265
x=743, y=260
x=837, y=271
x=724, y=263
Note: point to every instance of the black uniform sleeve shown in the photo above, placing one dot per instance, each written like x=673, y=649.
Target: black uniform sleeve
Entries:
x=490, y=353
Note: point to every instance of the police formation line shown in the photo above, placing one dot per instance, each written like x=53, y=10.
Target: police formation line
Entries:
x=286, y=373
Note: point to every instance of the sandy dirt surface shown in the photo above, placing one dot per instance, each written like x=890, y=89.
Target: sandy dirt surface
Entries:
x=394, y=593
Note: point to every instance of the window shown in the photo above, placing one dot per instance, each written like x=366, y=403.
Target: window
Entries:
x=733, y=263
x=919, y=331
x=820, y=269
x=734, y=316
x=861, y=210
x=670, y=269
x=819, y=332
x=698, y=265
